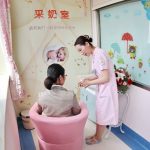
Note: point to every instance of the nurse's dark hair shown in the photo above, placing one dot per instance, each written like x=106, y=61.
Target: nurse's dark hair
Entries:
x=53, y=73
x=81, y=40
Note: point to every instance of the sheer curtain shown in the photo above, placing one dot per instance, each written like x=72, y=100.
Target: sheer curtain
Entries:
x=6, y=44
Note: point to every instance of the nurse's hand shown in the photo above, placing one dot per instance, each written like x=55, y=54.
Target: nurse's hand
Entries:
x=84, y=83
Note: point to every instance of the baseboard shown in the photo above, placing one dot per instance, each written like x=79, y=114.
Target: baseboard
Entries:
x=131, y=138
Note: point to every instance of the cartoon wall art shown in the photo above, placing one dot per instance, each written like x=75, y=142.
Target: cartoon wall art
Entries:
x=111, y=54
x=140, y=63
x=132, y=51
x=80, y=62
x=57, y=53
x=149, y=62
x=127, y=37
x=132, y=67
x=116, y=47
x=120, y=60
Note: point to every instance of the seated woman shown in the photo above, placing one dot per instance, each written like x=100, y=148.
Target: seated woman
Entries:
x=56, y=101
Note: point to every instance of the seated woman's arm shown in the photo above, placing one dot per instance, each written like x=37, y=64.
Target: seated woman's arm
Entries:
x=76, y=108
x=39, y=109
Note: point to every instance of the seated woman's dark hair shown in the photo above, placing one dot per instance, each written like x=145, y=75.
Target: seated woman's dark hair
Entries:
x=81, y=40
x=53, y=73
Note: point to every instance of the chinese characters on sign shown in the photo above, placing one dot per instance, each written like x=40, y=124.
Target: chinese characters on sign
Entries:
x=52, y=27
x=52, y=14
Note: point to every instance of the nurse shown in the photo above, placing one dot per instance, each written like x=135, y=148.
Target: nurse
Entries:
x=104, y=78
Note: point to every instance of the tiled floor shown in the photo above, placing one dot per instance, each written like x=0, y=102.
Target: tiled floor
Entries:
x=112, y=142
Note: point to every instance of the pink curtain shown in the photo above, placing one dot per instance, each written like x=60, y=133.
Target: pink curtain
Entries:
x=6, y=44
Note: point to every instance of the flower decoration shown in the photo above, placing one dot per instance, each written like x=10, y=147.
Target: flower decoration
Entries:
x=123, y=79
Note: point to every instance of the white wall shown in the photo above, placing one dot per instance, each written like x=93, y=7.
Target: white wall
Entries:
x=12, y=141
x=9, y=137
x=3, y=95
x=2, y=62
x=137, y=117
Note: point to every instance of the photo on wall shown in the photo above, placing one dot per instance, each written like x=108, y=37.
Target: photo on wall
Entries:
x=57, y=53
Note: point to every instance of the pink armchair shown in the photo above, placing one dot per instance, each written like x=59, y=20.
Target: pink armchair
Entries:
x=59, y=133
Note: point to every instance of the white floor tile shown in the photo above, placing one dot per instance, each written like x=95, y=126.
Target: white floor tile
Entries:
x=112, y=142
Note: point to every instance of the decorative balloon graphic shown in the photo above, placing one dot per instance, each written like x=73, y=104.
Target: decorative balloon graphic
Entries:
x=116, y=47
x=146, y=4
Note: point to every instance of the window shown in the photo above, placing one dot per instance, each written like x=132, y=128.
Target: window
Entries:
x=125, y=34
